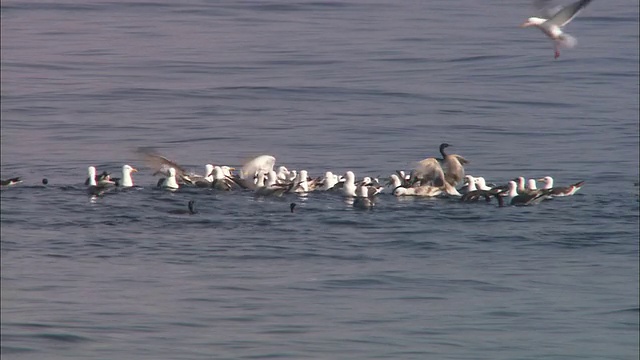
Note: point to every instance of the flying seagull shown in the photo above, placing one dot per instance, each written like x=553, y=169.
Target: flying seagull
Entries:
x=552, y=27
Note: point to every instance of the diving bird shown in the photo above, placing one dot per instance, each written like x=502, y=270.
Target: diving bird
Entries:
x=191, y=209
x=552, y=27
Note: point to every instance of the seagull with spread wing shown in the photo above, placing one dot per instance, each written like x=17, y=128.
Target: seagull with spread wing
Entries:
x=552, y=27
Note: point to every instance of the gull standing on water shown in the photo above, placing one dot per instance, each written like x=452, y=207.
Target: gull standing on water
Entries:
x=169, y=182
x=330, y=180
x=481, y=184
x=514, y=198
x=560, y=190
x=102, y=180
x=349, y=187
x=271, y=186
x=364, y=197
x=552, y=27
x=400, y=189
x=206, y=180
x=301, y=183
x=472, y=193
x=220, y=180
x=97, y=184
x=127, y=180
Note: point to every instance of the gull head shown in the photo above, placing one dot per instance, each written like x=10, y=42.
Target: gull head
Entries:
x=129, y=168
x=208, y=170
x=218, y=173
x=532, y=21
x=394, y=180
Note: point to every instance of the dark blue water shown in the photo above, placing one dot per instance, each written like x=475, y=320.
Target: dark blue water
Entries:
x=368, y=86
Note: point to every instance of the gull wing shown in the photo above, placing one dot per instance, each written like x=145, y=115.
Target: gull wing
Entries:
x=262, y=163
x=546, y=8
x=460, y=159
x=453, y=169
x=161, y=164
x=564, y=16
x=429, y=171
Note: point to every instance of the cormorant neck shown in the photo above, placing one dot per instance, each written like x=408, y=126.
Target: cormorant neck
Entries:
x=442, y=151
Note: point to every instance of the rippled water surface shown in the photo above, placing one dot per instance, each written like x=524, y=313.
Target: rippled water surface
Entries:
x=368, y=86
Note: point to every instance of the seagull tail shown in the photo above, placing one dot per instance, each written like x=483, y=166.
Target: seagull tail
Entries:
x=567, y=41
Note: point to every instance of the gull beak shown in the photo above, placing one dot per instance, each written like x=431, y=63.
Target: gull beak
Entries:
x=134, y=169
x=525, y=24
x=541, y=179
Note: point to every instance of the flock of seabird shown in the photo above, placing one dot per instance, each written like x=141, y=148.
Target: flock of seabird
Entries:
x=442, y=176
x=431, y=177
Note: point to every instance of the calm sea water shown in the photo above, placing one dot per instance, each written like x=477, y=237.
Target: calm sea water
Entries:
x=370, y=86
